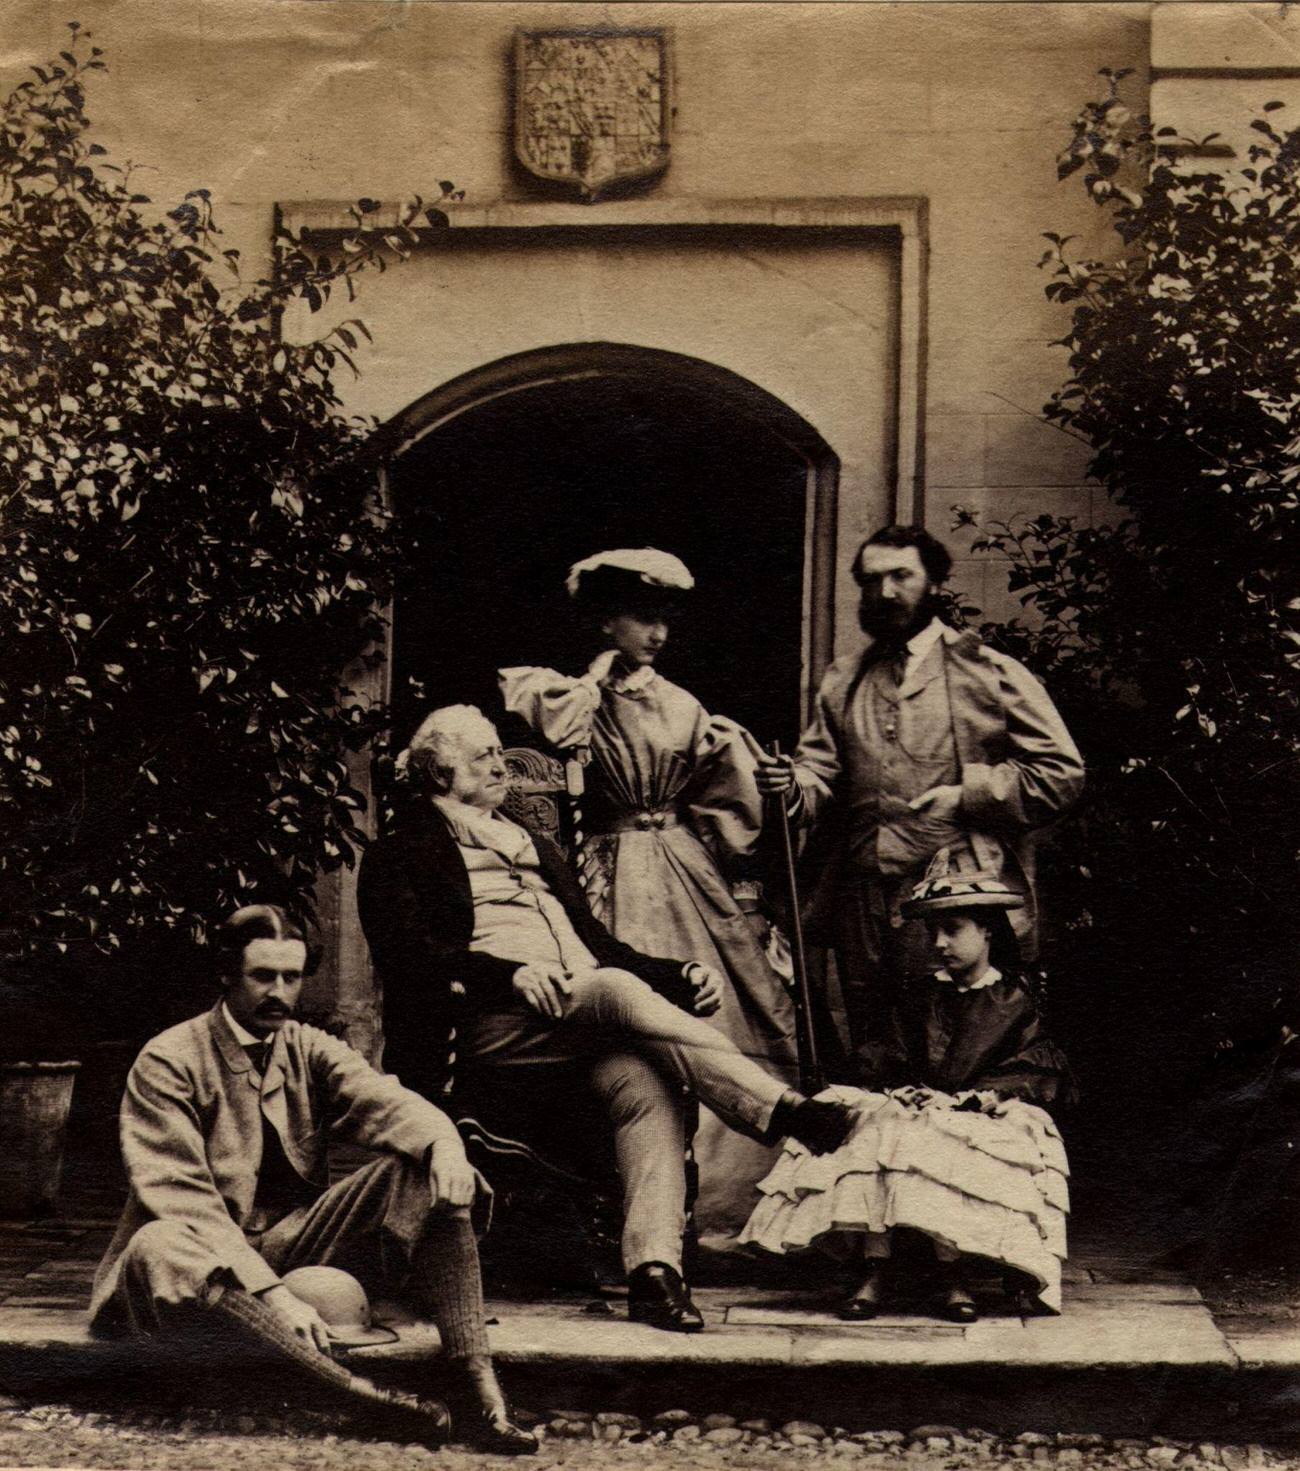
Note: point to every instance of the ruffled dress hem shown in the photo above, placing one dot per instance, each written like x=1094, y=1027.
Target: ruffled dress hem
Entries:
x=991, y=1183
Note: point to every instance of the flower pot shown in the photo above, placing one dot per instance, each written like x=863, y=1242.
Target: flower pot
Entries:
x=34, y=1101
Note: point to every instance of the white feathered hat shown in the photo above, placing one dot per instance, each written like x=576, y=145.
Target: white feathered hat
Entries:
x=656, y=570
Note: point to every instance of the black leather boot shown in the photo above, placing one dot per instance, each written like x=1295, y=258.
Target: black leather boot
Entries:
x=955, y=1302
x=480, y=1415
x=657, y=1295
x=819, y=1124
x=863, y=1303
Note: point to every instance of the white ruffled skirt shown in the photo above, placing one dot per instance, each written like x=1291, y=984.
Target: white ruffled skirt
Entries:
x=991, y=1183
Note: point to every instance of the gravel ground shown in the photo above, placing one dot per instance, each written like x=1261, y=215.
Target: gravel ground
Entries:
x=208, y=1440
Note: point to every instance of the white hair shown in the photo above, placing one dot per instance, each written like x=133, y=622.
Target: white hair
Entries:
x=442, y=733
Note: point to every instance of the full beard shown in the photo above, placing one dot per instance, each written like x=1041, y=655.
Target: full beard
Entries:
x=892, y=625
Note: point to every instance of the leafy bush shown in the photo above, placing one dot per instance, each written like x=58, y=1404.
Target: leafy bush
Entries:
x=1170, y=637
x=191, y=551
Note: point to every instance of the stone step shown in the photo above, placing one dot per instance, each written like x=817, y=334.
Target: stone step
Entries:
x=1123, y=1358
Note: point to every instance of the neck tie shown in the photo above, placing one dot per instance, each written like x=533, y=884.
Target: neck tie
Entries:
x=258, y=1052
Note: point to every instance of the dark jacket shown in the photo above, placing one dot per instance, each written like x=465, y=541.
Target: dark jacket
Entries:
x=991, y=1038
x=417, y=913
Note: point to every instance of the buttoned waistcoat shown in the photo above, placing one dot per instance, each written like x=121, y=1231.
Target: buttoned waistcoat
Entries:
x=191, y=1132
x=417, y=913
x=1019, y=767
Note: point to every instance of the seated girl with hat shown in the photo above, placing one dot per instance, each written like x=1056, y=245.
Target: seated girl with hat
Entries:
x=954, y=1140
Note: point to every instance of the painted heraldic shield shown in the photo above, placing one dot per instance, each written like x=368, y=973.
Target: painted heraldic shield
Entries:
x=592, y=107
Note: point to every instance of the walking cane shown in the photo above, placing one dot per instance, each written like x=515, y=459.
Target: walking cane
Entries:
x=811, y=1080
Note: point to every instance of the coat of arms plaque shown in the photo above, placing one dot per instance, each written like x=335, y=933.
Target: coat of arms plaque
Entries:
x=592, y=107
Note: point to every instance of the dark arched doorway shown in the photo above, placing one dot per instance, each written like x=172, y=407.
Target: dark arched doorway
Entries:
x=508, y=475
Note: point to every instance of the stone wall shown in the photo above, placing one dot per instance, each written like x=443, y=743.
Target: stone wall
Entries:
x=962, y=105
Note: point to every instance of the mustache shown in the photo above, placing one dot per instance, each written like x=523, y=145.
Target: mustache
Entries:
x=274, y=1008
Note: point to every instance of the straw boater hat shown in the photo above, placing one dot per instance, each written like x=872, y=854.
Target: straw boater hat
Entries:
x=941, y=889
x=635, y=573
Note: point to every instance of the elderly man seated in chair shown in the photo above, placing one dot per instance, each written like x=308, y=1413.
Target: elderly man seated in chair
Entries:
x=476, y=924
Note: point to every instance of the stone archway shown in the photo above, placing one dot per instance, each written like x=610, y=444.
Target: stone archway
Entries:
x=602, y=443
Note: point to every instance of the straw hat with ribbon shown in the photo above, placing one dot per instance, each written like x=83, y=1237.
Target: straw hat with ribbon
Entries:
x=942, y=889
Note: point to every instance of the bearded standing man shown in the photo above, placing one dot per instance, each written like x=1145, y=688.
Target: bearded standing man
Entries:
x=927, y=739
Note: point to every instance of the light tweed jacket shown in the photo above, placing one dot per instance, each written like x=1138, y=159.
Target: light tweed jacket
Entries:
x=191, y=1131
x=1020, y=770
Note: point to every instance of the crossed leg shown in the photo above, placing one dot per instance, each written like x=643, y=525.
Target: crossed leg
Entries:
x=627, y=1013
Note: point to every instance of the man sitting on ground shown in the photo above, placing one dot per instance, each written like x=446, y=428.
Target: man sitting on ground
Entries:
x=225, y=1126
x=477, y=925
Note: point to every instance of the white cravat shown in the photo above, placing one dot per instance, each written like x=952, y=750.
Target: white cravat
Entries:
x=477, y=828
x=918, y=646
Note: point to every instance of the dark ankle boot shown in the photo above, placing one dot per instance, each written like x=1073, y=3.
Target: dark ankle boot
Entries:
x=657, y=1295
x=1022, y=1294
x=863, y=1303
x=955, y=1302
x=820, y=1125
x=480, y=1416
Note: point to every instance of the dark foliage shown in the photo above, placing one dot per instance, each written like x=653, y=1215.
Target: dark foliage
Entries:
x=1170, y=636
x=191, y=551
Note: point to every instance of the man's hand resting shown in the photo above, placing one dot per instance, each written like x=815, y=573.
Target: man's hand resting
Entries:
x=941, y=803
x=452, y=1183
x=707, y=985
x=543, y=987
x=302, y=1320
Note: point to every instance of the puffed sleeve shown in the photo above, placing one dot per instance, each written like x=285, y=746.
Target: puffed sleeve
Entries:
x=1043, y=773
x=1034, y=1071
x=1011, y=1053
x=723, y=799
x=557, y=706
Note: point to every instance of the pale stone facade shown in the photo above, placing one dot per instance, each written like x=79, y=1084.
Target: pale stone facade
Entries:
x=847, y=231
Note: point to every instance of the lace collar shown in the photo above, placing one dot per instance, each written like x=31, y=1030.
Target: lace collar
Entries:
x=989, y=978
x=635, y=683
